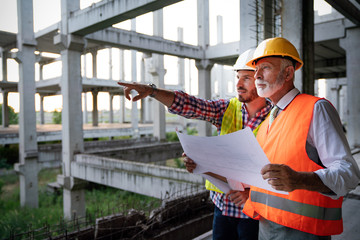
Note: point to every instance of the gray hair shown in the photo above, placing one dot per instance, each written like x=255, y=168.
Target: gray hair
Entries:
x=283, y=65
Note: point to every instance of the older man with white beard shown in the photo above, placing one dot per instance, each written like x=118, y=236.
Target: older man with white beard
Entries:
x=308, y=152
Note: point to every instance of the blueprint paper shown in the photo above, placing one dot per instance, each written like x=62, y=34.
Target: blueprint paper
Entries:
x=236, y=156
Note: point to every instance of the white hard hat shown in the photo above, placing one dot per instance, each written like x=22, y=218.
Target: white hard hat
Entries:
x=244, y=58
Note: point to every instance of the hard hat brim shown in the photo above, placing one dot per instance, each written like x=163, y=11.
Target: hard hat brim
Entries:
x=298, y=62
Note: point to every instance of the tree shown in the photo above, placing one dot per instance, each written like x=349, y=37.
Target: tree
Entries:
x=13, y=116
x=56, y=118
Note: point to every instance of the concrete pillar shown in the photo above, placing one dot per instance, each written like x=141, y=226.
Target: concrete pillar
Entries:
x=343, y=104
x=72, y=128
x=308, y=55
x=144, y=100
x=28, y=153
x=5, y=110
x=268, y=19
x=95, y=112
x=42, y=115
x=72, y=131
x=181, y=74
x=4, y=57
x=122, y=65
x=147, y=104
x=85, y=113
x=41, y=71
x=110, y=64
x=219, y=32
x=122, y=78
x=335, y=94
x=204, y=72
x=181, y=61
x=94, y=63
x=134, y=109
x=351, y=45
x=158, y=73
x=122, y=109
x=222, y=82
x=203, y=23
x=298, y=27
x=204, y=66
x=330, y=91
x=247, y=22
x=111, y=117
x=84, y=66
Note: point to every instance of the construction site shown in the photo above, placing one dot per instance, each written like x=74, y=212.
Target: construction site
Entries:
x=89, y=148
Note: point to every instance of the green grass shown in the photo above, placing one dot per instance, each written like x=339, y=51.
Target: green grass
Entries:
x=100, y=201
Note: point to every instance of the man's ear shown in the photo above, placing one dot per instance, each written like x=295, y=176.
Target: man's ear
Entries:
x=289, y=73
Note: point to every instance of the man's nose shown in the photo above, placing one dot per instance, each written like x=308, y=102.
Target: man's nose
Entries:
x=257, y=74
x=240, y=83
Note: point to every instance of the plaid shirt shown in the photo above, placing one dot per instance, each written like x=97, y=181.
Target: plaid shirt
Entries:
x=212, y=111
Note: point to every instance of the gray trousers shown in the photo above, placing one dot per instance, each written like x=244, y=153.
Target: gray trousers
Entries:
x=269, y=230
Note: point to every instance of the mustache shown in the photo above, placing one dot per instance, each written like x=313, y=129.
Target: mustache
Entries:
x=241, y=88
x=260, y=81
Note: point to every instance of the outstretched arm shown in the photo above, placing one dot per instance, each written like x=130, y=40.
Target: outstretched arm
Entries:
x=164, y=96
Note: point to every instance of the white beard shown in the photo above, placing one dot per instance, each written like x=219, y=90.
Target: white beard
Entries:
x=269, y=89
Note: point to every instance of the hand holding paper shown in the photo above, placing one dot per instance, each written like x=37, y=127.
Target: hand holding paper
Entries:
x=237, y=156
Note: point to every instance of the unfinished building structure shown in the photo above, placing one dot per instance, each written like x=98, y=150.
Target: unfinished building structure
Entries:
x=329, y=47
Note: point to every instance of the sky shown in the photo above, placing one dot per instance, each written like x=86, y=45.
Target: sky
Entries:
x=182, y=14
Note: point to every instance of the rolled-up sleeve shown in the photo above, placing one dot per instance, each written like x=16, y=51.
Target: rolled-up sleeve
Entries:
x=189, y=106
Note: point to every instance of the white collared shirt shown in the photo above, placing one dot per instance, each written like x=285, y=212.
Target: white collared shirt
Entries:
x=327, y=143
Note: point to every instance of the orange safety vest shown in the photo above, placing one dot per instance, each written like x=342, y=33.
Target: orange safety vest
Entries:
x=284, y=143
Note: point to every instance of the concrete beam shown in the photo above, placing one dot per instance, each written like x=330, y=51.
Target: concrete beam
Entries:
x=151, y=152
x=335, y=62
x=103, y=15
x=226, y=51
x=101, y=82
x=7, y=40
x=13, y=138
x=9, y=86
x=347, y=9
x=51, y=82
x=330, y=75
x=151, y=180
x=329, y=30
x=141, y=42
x=144, y=43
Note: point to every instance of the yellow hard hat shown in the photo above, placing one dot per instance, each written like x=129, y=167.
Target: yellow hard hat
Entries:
x=273, y=47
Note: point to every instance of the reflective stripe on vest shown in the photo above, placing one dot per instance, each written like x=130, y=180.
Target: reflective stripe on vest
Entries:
x=231, y=122
x=284, y=143
x=302, y=209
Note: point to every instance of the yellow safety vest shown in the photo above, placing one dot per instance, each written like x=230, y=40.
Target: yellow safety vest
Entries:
x=231, y=122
